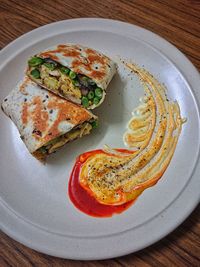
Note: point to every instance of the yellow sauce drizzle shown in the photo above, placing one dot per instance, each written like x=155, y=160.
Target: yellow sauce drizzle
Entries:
x=153, y=133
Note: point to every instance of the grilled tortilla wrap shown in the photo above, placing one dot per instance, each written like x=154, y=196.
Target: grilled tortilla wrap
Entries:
x=45, y=121
x=77, y=73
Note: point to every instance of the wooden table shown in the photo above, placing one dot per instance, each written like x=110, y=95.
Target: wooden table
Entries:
x=179, y=22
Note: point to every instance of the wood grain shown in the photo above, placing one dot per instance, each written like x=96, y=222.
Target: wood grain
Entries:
x=178, y=21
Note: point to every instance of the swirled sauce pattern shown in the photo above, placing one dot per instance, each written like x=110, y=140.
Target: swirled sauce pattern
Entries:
x=114, y=177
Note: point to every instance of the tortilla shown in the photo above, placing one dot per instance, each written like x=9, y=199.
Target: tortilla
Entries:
x=45, y=121
x=73, y=72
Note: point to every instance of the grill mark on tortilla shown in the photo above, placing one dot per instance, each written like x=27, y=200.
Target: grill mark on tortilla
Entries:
x=91, y=58
x=65, y=51
x=72, y=53
x=22, y=87
x=96, y=58
x=49, y=54
x=97, y=74
x=66, y=111
x=64, y=46
x=78, y=63
x=39, y=116
x=25, y=113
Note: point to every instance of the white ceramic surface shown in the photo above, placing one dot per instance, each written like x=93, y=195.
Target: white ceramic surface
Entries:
x=34, y=206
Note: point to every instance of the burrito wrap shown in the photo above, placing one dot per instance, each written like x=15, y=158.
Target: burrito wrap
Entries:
x=41, y=116
x=81, y=60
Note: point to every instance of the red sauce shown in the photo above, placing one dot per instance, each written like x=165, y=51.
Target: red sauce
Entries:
x=83, y=200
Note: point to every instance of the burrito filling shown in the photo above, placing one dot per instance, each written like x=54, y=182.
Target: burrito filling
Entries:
x=61, y=140
x=63, y=81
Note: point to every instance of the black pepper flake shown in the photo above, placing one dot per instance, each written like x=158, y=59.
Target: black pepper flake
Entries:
x=25, y=99
x=5, y=99
x=22, y=137
x=109, y=66
x=44, y=100
x=96, y=68
x=37, y=132
x=67, y=119
x=47, y=96
x=51, y=111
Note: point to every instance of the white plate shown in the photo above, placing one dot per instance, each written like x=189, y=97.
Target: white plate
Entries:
x=34, y=206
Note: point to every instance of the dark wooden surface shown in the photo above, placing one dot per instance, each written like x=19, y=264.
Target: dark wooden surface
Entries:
x=176, y=20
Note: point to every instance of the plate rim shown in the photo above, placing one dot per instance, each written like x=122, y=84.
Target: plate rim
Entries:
x=22, y=234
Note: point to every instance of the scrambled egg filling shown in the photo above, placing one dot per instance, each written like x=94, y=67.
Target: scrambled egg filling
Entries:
x=58, y=82
x=60, y=141
x=63, y=81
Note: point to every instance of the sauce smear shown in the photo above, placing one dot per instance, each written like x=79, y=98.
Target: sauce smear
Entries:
x=86, y=202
